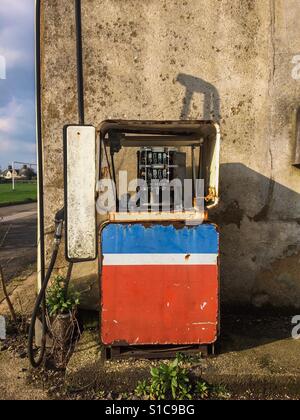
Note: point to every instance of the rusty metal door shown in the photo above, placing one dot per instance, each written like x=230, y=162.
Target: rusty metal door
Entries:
x=159, y=284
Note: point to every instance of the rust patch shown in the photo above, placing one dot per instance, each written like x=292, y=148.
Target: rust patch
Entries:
x=177, y=225
x=187, y=257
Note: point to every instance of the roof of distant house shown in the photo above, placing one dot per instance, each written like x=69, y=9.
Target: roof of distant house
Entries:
x=9, y=170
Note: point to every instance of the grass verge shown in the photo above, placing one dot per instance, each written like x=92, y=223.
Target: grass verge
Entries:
x=23, y=193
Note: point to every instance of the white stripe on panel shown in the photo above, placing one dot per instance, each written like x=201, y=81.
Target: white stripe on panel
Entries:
x=160, y=259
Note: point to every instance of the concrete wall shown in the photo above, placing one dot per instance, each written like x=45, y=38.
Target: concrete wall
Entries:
x=143, y=60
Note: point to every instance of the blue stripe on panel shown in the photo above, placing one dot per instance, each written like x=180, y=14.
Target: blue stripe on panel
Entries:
x=159, y=239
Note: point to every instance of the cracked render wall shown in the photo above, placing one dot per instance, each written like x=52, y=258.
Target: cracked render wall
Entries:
x=233, y=58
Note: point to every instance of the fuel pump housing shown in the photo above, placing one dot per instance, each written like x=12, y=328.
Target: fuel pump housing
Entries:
x=158, y=266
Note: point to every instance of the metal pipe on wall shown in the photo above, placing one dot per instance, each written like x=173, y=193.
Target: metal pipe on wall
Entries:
x=80, y=81
x=38, y=107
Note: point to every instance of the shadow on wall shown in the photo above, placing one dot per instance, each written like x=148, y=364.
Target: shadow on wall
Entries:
x=211, y=102
x=259, y=220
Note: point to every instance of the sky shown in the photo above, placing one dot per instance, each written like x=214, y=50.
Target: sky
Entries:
x=17, y=102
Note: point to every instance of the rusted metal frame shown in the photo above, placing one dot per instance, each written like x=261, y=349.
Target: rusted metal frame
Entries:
x=157, y=352
x=171, y=128
x=161, y=129
x=189, y=216
x=179, y=127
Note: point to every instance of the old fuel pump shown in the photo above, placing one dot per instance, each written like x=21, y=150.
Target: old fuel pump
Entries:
x=159, y=275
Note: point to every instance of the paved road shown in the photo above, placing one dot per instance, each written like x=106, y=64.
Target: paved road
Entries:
x=19, y=226
x=13, y=211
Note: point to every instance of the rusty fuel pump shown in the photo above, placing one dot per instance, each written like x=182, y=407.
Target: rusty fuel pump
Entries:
x=157, y=252
x=159, y=259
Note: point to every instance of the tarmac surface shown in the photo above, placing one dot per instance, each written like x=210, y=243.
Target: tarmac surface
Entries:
x=18, y=238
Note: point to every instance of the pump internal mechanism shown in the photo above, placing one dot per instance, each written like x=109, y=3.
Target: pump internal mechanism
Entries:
x=158, y=163
x=158, y=167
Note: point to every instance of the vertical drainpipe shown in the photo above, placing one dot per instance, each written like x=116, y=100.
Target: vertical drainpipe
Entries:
x=41, y=227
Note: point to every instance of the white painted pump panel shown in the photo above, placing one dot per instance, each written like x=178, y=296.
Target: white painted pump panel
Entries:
x=80, y=161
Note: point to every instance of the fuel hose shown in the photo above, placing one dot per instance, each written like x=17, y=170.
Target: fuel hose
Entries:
x=40, y=304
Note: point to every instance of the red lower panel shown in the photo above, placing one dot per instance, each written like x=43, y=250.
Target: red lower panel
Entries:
x=159, y=304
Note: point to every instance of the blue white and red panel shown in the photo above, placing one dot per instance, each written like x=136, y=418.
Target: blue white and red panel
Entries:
x=159, y=284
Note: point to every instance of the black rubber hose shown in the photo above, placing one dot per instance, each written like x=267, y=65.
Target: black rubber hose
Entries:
x=41, y=300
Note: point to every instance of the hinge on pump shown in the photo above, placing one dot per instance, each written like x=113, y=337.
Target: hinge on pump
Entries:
x=211, y=194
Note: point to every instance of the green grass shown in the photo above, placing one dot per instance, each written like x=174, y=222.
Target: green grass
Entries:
x=24, y=192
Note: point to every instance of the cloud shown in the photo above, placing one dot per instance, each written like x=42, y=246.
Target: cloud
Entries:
x=17, y=131
x=17, y=113
x=16, y=10
x=15, y=45
x=14, y=58
x=12, y=146
x=4, y=125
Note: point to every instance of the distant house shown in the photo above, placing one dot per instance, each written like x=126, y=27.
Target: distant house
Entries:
x=9, y=173
x=25, y=173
